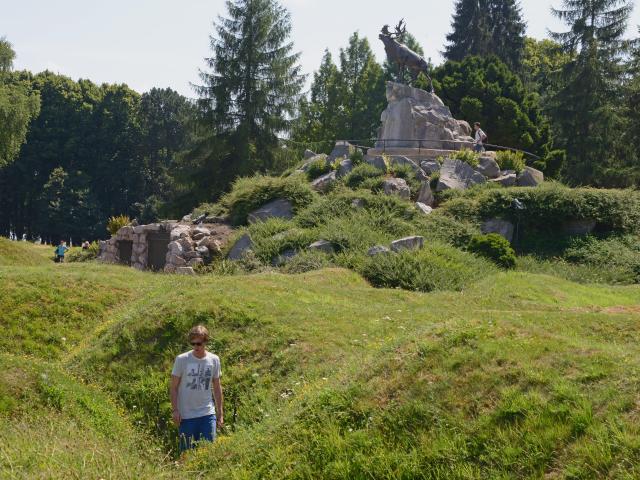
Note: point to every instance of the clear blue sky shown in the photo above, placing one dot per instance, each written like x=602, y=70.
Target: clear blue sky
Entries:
x=162, y=43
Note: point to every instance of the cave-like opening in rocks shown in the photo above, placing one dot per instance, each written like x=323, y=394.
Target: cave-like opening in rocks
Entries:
x=158, y=245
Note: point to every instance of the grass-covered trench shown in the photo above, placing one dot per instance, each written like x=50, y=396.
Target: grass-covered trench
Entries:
x=517, y=376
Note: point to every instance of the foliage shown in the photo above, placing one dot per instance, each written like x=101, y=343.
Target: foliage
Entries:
x=487, y=27
x=467, y=156
x=495, y=248
x=619, y=254
x=250, y=193
x=115, y=223
x=82, y=255
x=360, y=174
x=14, y=253
x=306, y=261
x=317, y=168
x=436, y=267
x=510, y=160
x=485, y=90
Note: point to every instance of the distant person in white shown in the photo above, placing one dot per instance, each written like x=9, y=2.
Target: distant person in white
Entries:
x=195, y=376
x=481, y=137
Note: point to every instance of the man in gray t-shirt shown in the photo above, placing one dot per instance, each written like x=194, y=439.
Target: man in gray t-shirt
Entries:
x=194, y=379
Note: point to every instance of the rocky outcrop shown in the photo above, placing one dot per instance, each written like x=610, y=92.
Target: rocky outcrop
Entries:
x=426, y=209
x=416, y=118
x=530, y=177
x=345, y=168
x=425, y=195
x=378, y=250
x=342, y=149
x=240, y=248
x=322, y=246
x=323, y=184
x=488, y=167
x=397, y=186
x=506, y=179
x=279, y=208
x=456, y=174
x=430, y=167
x=499, y=226
x=404, y=161
x=407, y=243
x=376, y=161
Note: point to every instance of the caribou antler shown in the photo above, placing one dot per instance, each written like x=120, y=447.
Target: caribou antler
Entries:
x=400, y=29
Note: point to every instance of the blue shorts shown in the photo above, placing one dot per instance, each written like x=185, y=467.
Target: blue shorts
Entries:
x=196, y=430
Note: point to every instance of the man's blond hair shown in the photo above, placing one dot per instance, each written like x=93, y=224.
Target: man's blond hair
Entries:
x=199, y=331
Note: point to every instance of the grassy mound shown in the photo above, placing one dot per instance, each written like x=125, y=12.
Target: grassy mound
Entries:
x=23, y=254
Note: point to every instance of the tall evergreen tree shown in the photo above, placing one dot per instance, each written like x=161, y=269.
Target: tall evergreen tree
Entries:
x=585, y=109
x=252, y=88
x=487, y=27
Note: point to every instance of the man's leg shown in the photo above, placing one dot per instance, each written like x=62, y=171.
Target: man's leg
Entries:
x=206, y=428
x=187, y=432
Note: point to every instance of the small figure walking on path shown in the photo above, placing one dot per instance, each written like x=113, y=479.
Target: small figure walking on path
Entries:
x=60, y=251
x=194, y=378
x=481, y=137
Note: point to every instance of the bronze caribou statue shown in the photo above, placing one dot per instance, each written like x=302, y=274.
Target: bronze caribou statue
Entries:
x=402, y=55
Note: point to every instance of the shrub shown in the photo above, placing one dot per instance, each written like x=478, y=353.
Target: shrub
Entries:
x=116, y=223
x=436, y=267
x=621, y=254
x=318, y=168
x=357, y=157
x=494, y=247
x=444, y=229
x=360, y=174
x=250, y=193
x=467, y=156
x=305, y=262
x=80, y=255
x=274, y=236
x=406, y=172
x=510, y=160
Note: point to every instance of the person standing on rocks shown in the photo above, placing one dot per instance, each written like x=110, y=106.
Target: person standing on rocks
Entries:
x=194, y=378
x=481, y=137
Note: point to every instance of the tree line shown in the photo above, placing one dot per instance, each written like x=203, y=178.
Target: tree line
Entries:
x=73, y=153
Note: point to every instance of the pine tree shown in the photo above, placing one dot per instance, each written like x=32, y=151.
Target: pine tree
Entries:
x=252, y=88
x=487, y=27
x=584, y=109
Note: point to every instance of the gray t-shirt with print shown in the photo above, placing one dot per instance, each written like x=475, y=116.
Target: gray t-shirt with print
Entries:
x=194, y=393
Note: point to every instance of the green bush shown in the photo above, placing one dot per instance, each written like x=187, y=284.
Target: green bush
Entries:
x=318, y=168
x=116, y=223
x=274, y=236
x=250, y=193
x=436, y=267
x=442, y=228
x=494, y=247
x=510, y=160
x=306, y=261
x=467, y=156
x=360, y=174
x=406, y=173
x=621, y=254
x=357, y=157
x=80, y=255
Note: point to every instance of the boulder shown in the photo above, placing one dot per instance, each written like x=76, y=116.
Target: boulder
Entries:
x=416, y=118
x=377, y=250
x=506, y=180
x=203, y=251
x=376, y=161
x=488, y=167
x=177, y=261
x=530, y=177
x=200, y=230
x=425, y=195
x=456, y=174
x=169, y=268
x=186, y=219
x=186, y=244
x=179, y=231
x=279, y=208
x=407, y=243
x=324, y=183
x=308, y=154
x=185, y=271
x=322, y=246
x=579, y=227
x=240, y=248
x=283, y=258
x=342, y=149
x=499, y=226
x=397, y=186
x=138, y=229
x=426, y=209
x=190, y=255
x=430, y=166
x=216, y=219
x=175, y=247
x=198, y=236
x=210, y=243
x=464, y=127
x=345, y=168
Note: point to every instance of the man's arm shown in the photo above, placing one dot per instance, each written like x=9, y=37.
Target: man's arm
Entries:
x=217, y=396
x=175, y=383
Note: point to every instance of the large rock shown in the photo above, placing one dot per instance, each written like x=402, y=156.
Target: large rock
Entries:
x=324, y=183
x=308, y=154
x=180, y=231
x=279, y=208
x=177, y=261
x=426, y=209
x=505, y=179
x=407, y=243
x=376, y=161
x=530, y=177
x=499, y=226
x=456, y=174
x=345, y=168
x=322, y=246
x=425, y=195
x=397, y=186
x=416, y=118
x=342, y=149
x=210, y=243
x=488, y=167
x=240, y=248
x=430, y=166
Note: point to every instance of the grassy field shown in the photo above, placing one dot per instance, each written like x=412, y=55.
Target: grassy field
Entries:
x=519, y=375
